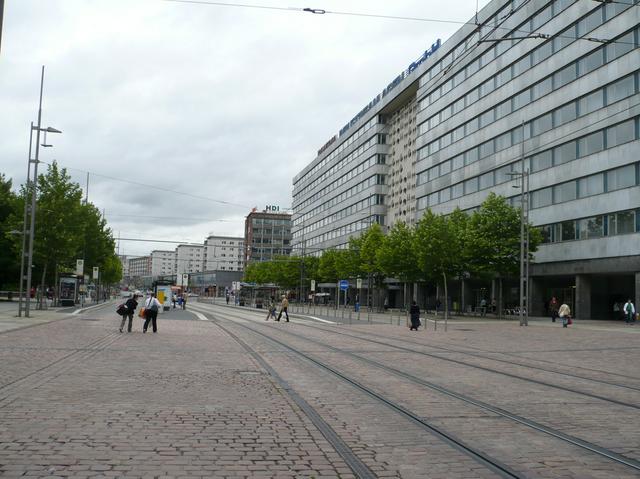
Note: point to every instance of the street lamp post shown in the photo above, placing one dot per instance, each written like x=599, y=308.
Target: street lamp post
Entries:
x=31, y=210
x=524, y=242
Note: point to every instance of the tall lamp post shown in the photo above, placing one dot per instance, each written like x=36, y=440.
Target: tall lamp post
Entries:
x=524, y=242
x=30, y=210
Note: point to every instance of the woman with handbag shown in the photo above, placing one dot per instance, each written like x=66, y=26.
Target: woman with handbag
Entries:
x=151, y=308
x=565, y=314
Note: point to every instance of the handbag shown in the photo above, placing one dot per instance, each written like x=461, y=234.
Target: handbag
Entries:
x=141, y=312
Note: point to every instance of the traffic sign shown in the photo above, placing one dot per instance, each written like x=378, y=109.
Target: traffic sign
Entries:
x=359, y=283
x=313, y=285
x=96, y=272
x=344, y=285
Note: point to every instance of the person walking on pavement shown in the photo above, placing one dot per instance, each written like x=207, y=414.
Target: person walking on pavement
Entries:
x=565, y=314
x=553, y=308
x=131, y=306
x=483, y=307
x=151, y=308
x=271, y=309
x=629, y=311
x=283, y=308
x=184, y=301
x=414, y=313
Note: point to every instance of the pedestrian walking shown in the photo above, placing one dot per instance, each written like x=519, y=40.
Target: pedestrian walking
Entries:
x=151, y=308
x=414, y=314
x=130, y=306
x=629, y=312
x=184, y=301
x=565, y=314
x=483, y=307
x=227, y=298
x=494, y=306
x=284, y=306
x=553, y=308
x=271, y=309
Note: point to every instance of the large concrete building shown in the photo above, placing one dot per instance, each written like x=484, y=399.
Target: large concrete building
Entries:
x=223, y=253
x=163, y=263
x=189, y=258
x=267, y=234
x=548, y=86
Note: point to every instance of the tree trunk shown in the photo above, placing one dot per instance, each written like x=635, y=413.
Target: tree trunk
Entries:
x=44, y=273
x=446, y=300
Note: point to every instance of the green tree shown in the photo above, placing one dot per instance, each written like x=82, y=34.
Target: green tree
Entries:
x=439, y=250
x=493, y=239
x=396, y=257
x=327, y=267
x=9, y=252
x=59, y=226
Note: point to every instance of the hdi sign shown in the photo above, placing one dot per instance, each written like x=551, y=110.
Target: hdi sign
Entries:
x=272, y=209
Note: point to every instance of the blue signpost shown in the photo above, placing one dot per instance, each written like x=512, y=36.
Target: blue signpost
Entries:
x=344, y=286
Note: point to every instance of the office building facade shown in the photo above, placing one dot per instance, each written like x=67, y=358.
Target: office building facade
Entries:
x=163, y=263
x=546, y=87
x=266, y=235
x=224, y=253
x=189, y=259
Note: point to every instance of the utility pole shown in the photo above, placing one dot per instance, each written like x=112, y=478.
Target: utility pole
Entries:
x=1, y=17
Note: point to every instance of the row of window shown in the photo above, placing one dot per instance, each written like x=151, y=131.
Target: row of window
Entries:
x=368, y=163
x=269, y=222
x=585, y=65
x=531, y=24
x=335, y=153
x=615, y=91
x=355, y=154
x=590, y=144
x=605, y=182
x=338, y=215
x=361, y=168
x=623, y=222
x=618, y=90
x=349, y=229
x=470, y=42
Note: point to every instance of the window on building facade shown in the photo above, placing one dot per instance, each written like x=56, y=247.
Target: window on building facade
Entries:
x=564, y=192
x=621, y=178
x=590, y=228
x=621, y=133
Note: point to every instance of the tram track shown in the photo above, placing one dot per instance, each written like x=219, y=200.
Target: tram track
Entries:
x=494, y=465
x=496, y=371
x=569, y=439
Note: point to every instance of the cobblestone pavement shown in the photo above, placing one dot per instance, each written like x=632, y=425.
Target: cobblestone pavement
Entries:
x=79, y=399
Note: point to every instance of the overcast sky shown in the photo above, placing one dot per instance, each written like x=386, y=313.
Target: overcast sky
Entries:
x=223, y=103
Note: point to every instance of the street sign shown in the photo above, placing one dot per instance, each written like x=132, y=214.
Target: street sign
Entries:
x=344, y=285
x=79, y=267
x=313, y=285
x=96, y=272
x=359, y=283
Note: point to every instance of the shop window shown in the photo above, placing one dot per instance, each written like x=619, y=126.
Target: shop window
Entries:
x=568, y=230
x=622, y=223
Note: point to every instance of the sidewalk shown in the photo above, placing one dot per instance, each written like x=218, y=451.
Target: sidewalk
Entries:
x=10, y=321
x=399, y=318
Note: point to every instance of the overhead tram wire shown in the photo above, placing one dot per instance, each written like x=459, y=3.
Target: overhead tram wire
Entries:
x=160, y=188
x=320, y=11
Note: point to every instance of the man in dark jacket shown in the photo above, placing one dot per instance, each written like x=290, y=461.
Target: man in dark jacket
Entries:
x=414, y=313
x=131, y=306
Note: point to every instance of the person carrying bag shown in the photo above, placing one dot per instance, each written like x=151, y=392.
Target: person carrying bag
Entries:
x=151, y=308
x=565, y=314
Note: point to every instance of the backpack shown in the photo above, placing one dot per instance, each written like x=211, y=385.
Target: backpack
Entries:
x=121, y=309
